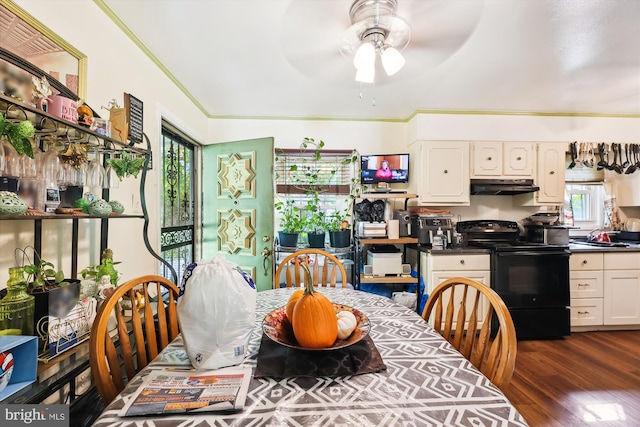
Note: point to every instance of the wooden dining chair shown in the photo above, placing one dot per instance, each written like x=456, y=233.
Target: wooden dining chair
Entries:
x=325, y=276
x=463, y=312
x=137, y=337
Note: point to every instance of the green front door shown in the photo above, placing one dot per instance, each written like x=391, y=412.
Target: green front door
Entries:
x=237, y=205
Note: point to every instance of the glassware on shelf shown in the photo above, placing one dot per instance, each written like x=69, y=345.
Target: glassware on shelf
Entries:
x=95, y=173
x=17, y=307
x=111, y=180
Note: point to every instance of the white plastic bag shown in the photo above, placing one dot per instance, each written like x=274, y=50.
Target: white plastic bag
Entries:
x=217, y=312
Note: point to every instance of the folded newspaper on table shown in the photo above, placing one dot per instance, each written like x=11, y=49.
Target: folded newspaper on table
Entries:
x=179, y=391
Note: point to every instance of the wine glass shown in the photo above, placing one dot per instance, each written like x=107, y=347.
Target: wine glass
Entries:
x=95, y=173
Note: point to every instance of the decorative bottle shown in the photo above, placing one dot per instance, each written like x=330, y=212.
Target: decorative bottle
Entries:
x=17, y=307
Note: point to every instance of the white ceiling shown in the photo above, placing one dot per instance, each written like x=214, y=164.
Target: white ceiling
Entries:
x=280, y=58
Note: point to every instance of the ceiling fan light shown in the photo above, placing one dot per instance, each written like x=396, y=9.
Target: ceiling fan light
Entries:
x=392, y=60
x=366, y=74
x=365, y=56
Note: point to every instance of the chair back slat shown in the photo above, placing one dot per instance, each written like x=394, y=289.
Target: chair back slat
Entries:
x=149, y=326
x=125, y=344
x=493, y=356
x=135, y=333
x=461, y=318
x=451, y=309
x=325, y=275
x=138, y=333
x=163, y=336
x=472, y=325
x=112, y=357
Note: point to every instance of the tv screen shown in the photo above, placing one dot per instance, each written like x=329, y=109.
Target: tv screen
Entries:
x=384, y=168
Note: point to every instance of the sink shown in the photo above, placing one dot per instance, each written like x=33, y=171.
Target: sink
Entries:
x=600, y=244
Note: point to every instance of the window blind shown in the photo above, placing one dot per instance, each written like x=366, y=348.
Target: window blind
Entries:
x=327, y=171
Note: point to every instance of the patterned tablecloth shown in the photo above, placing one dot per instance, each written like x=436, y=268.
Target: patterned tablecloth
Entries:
x=427, y=382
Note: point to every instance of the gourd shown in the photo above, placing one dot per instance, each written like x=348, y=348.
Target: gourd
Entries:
x=346, y=324
x=293, y=300
x=315, y=324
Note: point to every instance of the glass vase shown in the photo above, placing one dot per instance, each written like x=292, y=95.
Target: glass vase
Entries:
x=17, y=307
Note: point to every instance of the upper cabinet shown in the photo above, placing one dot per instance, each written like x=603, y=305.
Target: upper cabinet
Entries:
x=549, y=176
x=502, y=159
x=440, y=172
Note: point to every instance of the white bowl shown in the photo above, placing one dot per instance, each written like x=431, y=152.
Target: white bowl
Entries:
x=632, y=224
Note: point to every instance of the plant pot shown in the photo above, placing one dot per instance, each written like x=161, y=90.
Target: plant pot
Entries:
x=340, y=239
x=316, y=240
x=288, y=240
x=59, y=321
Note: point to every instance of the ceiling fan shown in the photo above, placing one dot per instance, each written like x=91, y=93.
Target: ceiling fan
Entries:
x=322, y=40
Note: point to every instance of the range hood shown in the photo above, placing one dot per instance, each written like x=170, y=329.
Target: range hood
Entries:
x=505, y=187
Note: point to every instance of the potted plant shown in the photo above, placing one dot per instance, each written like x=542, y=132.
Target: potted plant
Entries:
x=339, y=228
x=316, y=222
x=99, y=280
x=55, y=320
x=292, y=222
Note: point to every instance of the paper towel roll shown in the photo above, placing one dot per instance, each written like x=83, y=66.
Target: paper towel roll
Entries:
x=393, y=229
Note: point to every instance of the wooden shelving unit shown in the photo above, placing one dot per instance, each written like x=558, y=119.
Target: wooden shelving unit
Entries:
x=383, y=241
x=388, y=279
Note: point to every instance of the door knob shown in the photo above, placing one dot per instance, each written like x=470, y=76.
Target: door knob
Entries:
x=266, y=252
x=266, y=238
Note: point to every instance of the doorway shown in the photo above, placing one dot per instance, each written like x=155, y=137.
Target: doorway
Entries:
x=177, y=202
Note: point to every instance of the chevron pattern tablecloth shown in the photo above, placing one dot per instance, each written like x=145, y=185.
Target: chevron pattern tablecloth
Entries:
x=427, y=383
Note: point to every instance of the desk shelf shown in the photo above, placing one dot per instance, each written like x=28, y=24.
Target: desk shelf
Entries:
x=388, y=279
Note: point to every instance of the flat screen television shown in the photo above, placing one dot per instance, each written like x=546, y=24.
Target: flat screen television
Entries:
x=384, y=169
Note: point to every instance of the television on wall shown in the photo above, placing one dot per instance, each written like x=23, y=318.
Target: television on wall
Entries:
x=384, y=169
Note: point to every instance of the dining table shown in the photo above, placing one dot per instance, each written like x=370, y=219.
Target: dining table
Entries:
x=422, y=381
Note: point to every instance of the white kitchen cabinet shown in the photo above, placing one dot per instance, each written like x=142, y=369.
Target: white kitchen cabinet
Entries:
x=502, y=160
x=440, y=172
x=549, y=176
x=441, y=267
x=586, y=285
x=622, y=288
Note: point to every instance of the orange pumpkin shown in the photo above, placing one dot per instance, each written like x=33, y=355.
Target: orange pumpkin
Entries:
x=293, y=299
x=314, y=319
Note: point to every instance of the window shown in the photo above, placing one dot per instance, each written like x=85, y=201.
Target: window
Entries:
x=587, y=203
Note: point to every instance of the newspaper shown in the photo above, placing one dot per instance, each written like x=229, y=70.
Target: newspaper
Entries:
x=176, y=391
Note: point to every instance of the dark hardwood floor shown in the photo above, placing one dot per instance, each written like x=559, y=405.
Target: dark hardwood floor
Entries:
x=586, y=379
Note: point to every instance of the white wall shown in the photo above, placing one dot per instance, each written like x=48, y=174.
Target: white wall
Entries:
x=115, y=66
x=364, y=136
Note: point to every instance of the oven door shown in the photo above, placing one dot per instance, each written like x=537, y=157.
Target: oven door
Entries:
x=531, y=279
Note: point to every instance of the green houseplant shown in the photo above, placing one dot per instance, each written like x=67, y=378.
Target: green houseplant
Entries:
x=55, y=298
x=292, y=222
x=18, y=135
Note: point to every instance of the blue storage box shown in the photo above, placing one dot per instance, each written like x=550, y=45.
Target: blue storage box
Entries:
x=24, y=350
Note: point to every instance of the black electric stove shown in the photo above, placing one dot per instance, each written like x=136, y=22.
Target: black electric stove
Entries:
x=531, y=278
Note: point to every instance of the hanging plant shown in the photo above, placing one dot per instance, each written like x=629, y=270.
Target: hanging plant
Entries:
x=126, y=165
x=18, y=135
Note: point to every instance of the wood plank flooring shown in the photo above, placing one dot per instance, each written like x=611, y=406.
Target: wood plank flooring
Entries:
x=586, y=379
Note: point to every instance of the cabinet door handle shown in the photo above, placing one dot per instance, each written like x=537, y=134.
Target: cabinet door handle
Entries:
x=552, y=172
x=462, y=261
x=583, y=285
x=489, y=158
x=446, y=171
x=584, y=262
x=583, y=312
x=518, y=158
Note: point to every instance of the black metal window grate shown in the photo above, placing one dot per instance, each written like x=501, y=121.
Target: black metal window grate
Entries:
x=177, y=232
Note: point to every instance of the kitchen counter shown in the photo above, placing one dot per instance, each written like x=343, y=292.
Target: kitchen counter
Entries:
x=455, y=250
x=576, y=247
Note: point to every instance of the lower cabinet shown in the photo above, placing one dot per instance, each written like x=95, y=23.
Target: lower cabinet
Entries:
x=605, y=290
x=440, y=267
